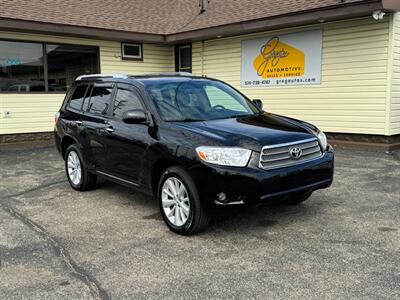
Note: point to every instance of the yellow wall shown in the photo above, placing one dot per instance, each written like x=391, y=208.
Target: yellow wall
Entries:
x=359, y=93
x=35, y=112
x=352, y=96
x=395, y=85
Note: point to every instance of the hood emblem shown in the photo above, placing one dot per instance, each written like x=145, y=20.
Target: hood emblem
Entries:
x=295, y=152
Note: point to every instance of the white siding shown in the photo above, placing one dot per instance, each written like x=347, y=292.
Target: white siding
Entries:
x=35, y=112
x=395, y=93
x=352, y=96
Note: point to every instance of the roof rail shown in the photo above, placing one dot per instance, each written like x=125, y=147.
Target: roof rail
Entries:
x=170, y=74
x=124, y=76
x=81, y=77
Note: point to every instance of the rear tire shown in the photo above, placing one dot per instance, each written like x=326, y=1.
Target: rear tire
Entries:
x=180, y=203
x=297, y=199
x=78, y=176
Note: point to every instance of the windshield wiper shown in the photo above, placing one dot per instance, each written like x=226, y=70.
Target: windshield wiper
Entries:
x=239, y=116
x=191, y=120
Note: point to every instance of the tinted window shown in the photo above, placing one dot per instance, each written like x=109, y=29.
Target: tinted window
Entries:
x=125, y=100
x=222, y=100
x=195, y=100
x=77, y=97
x=100, y=99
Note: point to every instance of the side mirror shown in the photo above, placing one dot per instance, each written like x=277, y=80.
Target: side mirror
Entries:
x=258, y=103
x=135, y=116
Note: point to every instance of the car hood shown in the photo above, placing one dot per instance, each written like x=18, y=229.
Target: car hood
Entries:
x=251, y=132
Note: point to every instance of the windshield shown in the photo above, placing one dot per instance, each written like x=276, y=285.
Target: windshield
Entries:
x=198, y=100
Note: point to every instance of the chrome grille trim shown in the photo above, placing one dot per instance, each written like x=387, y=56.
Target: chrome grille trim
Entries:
x=278, y=156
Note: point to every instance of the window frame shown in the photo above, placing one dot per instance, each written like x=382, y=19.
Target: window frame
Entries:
x=131, y=57
x=45, y=64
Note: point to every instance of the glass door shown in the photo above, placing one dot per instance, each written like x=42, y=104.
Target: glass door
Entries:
x=183, y=58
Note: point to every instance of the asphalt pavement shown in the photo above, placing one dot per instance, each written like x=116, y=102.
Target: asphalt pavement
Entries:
x=110, y=243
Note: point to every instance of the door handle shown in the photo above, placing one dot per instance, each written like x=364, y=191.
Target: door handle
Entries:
x=109, y=129
x=79, y=123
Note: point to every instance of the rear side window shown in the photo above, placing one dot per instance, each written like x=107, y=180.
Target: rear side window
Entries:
x=126, y=100
x=77, y=97
x=100, y=99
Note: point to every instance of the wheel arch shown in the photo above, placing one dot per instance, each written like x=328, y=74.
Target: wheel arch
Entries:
x=65, y=143
x=158, y=169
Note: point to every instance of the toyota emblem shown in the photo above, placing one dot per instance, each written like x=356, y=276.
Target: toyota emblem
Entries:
x=295, y=152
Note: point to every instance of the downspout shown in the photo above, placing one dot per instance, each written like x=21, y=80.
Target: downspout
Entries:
x=389, y=75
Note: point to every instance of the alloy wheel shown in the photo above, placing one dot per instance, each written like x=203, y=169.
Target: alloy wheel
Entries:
x=175, y=201
x=74, y=168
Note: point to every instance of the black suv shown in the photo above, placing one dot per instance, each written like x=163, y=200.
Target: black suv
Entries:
x=193, y=142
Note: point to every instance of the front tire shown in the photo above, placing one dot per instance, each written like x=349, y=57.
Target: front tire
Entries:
x=78, y=176
x=180, y=203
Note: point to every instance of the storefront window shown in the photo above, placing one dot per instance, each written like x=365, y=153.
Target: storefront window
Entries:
x=24, y=68
x=21, y=67
x=66, y=62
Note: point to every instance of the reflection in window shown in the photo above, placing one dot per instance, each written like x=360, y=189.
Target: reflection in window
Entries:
x=125, y=100
x=185, y=58
x=21, y=67
x=198, y=100
x=77, y=97
x=66, y=62
x=100, y=99
x=219, y=98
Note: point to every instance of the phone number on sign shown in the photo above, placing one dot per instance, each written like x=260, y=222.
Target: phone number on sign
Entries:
x=279, y=81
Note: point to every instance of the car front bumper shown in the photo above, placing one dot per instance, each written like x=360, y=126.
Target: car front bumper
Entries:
x=252, y=184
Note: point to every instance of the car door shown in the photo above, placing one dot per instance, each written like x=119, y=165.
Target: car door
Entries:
x=72, y=115
x=96, y=108
x=126, y=143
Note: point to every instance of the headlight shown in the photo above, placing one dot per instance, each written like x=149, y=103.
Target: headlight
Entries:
x=322, y=139
x=224, y=156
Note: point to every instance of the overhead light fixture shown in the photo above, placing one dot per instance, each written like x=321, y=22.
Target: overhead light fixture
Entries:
x=219, y=36
x=378, y=15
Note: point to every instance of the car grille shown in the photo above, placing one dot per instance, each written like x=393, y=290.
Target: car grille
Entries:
x=278, y=156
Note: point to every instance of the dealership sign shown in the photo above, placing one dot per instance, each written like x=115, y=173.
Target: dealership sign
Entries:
x=280, y=60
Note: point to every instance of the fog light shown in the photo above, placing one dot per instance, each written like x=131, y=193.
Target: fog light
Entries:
x=221, y=197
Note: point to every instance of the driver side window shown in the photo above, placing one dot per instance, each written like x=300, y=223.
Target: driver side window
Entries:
x=218, y=97
x=125, y=99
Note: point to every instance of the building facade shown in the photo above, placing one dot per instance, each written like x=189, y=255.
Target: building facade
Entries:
x=342, y=74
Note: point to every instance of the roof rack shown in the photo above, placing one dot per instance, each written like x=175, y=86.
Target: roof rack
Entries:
x=170, y=74
x=124, y=76
x=81, y=77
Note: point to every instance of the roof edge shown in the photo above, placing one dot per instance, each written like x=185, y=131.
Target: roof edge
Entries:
x=8, y=24
x=327, y=14
x=330, y=13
